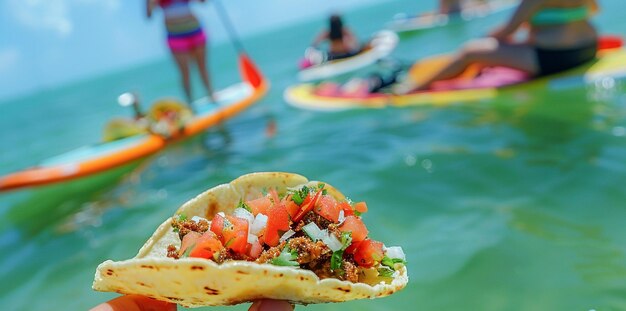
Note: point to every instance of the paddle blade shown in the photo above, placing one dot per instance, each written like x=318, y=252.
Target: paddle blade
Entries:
x=249, y=71
x=606, y=42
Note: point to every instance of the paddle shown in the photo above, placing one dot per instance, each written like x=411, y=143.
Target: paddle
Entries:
x=232, y=34
x=247, y=67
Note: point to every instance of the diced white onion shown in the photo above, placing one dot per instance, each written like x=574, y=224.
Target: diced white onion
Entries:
x=260, y=221
x=395, y=252
x=287, y=235
x=342, y=217
x=243, y=214
x=313, y=231
x=252, y=238
x=197, y=219
x=222, y=214
x=331, y=241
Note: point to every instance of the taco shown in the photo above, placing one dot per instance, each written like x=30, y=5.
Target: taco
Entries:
x=264, y=235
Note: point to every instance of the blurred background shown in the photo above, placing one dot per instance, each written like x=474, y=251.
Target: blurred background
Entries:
x=514, y=203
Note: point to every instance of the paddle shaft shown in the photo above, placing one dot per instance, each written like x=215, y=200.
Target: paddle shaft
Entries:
x=232, y=34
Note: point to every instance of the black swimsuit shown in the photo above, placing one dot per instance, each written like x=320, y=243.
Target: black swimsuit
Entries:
x=556, y=60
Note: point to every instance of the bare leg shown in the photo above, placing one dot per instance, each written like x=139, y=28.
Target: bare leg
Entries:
x=485, y=53
x=182, y=60
x=199, y=55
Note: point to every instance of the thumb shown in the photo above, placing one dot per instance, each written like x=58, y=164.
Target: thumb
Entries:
x=271, y=305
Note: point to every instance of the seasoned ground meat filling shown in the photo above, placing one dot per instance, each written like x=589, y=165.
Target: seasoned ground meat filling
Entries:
x=271, y=230
x=351, y=272
x=311, y=216
x=172, y=252
x=271, y=253
x=186, y=226
x=308, y=250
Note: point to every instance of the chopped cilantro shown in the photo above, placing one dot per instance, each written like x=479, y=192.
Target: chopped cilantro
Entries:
x=298, y=196
x=346, y=239
x=335, y=260
x=243, y=205
x=182, y=217
x=385, y=272
x=337, y=257
x=391, y=262
x=287, y=257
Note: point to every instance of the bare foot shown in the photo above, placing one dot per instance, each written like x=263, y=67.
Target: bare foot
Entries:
x=404, y=87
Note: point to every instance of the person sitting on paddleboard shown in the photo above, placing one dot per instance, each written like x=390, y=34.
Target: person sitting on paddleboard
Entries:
x=342, y=42
x=186, y=40
x=560, y=37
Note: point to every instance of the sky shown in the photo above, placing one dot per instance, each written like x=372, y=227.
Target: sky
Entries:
x=48, y=43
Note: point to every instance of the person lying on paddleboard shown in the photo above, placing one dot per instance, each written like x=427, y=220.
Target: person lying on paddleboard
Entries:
x=560, y=37
x=341, y=41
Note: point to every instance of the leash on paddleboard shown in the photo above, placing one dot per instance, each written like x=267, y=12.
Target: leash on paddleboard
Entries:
x=232, y=34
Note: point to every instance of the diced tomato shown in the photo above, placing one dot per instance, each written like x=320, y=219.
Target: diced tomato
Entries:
x=369, y=253
x=346, y=208
x=259, y=205
x=255, y=250
x=273, y=195
x=327, y=207
x=307, y=205
x=355, y=225
x=277, y=223
x=217, y=226
x=207, y=246
x=292, y=207
x=188, y=241
x=360, y=207
x=352, y=248
x=232, y=231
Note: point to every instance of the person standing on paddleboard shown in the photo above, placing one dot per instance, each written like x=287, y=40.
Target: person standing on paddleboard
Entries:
x=560, y=37
x=186, y=40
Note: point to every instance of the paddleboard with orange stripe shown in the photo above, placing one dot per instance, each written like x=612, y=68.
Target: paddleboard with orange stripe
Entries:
x=93, y=159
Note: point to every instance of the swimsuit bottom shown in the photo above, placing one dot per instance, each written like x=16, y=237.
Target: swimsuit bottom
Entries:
x=186, y=42
x=556, y=60
x=334, y=56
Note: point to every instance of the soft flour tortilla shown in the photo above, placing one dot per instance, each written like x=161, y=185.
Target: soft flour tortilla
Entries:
x=195, y=282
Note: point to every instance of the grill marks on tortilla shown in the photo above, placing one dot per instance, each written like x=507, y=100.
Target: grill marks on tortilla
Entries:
x=211, y=291
x=211, y=209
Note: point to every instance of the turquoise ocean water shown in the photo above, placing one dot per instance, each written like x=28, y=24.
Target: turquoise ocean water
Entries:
x=510, y=204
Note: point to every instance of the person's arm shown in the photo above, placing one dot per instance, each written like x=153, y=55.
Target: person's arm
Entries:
x=149, y=7
x=321, y=37
x=523, y=14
